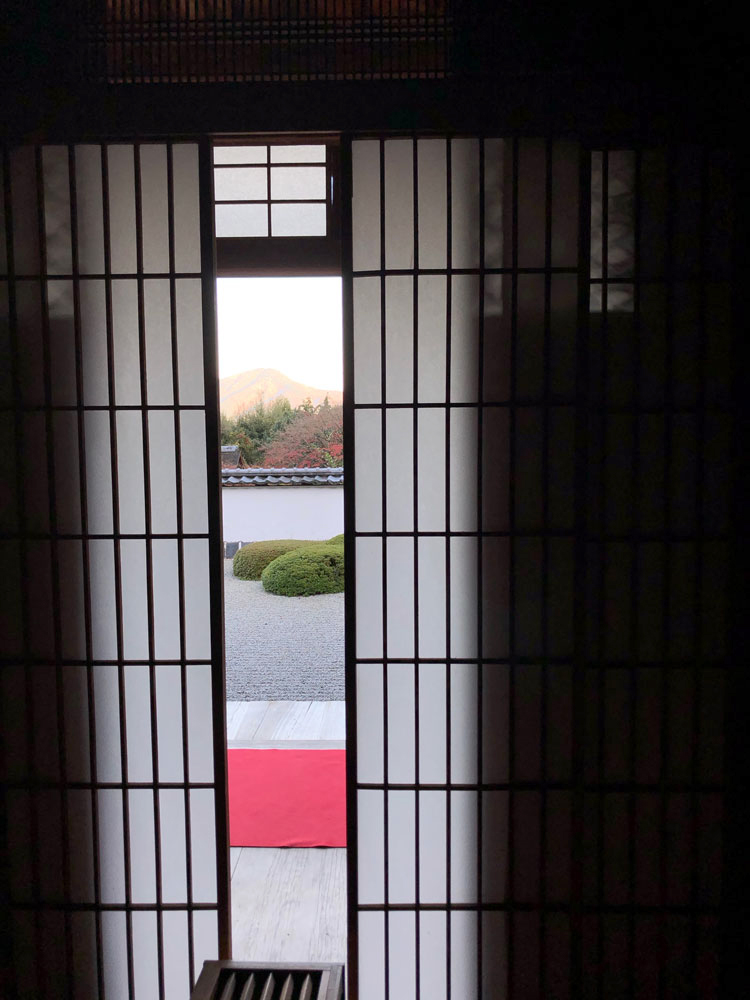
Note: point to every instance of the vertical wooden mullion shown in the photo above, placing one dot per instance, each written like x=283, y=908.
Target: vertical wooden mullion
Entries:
x=268, y=190
x=581, y=557
x=214, y=77
x=157, y=36
x=480, y=572
x=448, y=20
x=146, y=44
x=546, y=424
x=146, y=452
x=512, y=541
x=201, y=42
x=115, y=26
x=734, y=917
x=324, y=66
x=664, y=726
x=180, y=561
x=128, y=20
x=117, y=564
x=699, y=595
x=296, y=51
x=216, y=553
x=54, y=560
x=384, y=569
x=23, y=557
x=330, y=193
x=634, y=572
x=350, y=635
x=601, y=651
x=243, y=44
x=82, y=482
x=191, y=43
x=175, y=76
x=448, y=650
x=182, y=14
x=286, y=67
x=280, y=48
x=409, y=32
x=415, y=548
x=230, y=47
x=230, y=28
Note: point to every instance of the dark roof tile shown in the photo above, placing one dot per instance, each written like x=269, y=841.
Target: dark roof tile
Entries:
x=282, y=477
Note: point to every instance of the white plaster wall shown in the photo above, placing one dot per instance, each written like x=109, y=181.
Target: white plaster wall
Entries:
x=256, y=513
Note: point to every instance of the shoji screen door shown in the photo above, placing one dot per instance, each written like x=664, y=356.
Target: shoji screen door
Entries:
x=539, y=392
x=112, y=680
x=464, y=302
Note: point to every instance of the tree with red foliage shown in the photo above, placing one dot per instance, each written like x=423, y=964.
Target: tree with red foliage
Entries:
x=314, y=440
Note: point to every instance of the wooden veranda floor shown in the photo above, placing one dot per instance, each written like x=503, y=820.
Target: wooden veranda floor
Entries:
x=286, y=724
x=288, y=904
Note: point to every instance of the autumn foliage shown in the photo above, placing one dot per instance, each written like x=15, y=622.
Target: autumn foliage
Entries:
x=315, y=439
x=273, y=435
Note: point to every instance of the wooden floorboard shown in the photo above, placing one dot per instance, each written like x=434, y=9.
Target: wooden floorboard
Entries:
x=302, y=724
x=233, y=707
x=286, y=724
x=289, y=745
x=246, y=721
x=289, y=905
x=334, y=720
x=280, y=718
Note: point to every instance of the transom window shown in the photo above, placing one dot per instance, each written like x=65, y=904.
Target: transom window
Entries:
x=276, y=207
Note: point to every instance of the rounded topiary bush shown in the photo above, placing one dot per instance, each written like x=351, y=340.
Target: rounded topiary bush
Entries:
x=250, y=561
x=314, y=569
x=336, y=540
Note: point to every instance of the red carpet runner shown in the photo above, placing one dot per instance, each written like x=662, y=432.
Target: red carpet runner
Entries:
x=287, y=798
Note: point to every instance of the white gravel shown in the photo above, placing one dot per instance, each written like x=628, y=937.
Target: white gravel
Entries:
x=282, y=648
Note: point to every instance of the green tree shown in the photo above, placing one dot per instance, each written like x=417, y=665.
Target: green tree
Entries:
x=255, y=428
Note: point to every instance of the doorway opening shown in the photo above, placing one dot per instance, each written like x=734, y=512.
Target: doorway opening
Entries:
x=280, y=389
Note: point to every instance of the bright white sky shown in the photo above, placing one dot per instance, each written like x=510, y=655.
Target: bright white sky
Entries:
x=292, y=324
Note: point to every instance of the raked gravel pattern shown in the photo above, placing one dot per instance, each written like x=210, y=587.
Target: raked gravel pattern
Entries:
x=282, y=648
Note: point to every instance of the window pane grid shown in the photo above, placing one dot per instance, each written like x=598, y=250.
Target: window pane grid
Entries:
x=272, y=191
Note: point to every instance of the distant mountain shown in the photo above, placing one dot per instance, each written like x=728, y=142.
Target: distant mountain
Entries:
x=240, y=392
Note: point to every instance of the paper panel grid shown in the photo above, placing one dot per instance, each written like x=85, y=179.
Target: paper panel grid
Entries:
x=108, y=351
x=490, y=483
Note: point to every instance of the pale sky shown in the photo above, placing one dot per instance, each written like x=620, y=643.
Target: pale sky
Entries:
x=292, y=324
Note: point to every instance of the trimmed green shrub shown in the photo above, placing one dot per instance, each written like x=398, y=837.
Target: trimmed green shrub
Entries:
x=250, y=561
x=336, y=540
x=314, y=569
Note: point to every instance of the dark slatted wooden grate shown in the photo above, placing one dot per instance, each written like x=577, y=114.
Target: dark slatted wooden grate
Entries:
x=243, y=981
x=138, y=41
